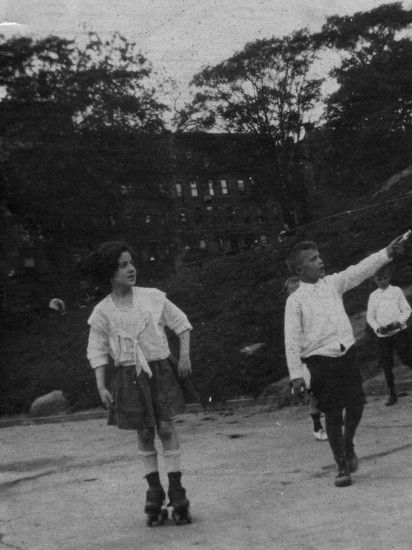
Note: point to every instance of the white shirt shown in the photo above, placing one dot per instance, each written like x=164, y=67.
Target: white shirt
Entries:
x=135, y=335
x=315, y=319
x=386, y=306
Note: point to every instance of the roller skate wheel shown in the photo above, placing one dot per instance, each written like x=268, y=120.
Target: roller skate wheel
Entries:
x=182, y=517
x=156, y=520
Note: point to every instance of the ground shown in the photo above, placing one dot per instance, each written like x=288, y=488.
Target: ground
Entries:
x=255, y=476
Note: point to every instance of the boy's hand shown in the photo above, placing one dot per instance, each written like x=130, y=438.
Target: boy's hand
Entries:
x=396, y=247
x=298, y=386
x=184, y=368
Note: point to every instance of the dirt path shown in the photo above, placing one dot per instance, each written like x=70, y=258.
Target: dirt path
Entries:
x=256, y=479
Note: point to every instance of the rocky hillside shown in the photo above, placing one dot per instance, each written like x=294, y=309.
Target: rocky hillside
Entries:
x=232, y=301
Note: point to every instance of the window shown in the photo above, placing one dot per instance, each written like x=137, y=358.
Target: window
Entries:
x=199, y=216
x=179, y=190
x=193, y=189
x=223, y=183
x=182, y=217
x=202, y=244
x=211, y=189
x=241, y=185
x=148, y=219
x=264, y=240
x=229, y=213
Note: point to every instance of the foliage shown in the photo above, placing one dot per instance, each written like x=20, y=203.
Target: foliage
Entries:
x=370, y=113
x=265, y=91
x=82, y=141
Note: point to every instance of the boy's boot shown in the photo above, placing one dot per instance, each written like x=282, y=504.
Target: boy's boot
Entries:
x=393, y=398
x=351, y=459
x=343, y=478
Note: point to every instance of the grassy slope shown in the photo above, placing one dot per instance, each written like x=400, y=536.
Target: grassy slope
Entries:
x=232, y=302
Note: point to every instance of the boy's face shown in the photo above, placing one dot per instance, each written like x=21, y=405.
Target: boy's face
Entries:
x=382, y=281
x=311, y=267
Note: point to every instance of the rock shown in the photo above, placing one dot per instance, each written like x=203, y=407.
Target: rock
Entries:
x=253, y=348
x=50, y=404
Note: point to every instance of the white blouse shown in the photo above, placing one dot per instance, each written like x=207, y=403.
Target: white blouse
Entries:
x=134, y=335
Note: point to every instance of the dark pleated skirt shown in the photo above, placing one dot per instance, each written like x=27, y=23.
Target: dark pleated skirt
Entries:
x=142, y=402
x=336, y=381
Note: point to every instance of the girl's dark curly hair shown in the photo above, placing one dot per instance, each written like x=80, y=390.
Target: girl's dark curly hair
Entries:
x=102, y=263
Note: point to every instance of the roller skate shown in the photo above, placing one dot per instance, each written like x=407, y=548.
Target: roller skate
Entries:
x=177, y=497
x=154, y=508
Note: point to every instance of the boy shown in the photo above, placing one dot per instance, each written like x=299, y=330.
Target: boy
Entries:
x=318, y=332
x=290, y=286
x=388, y=311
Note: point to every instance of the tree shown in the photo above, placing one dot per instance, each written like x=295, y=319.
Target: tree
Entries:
x=370, y=113
x=82, y=141
x=267, y=92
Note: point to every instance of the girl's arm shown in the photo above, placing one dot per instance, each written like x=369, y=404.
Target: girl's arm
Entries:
x=184, y=368
x=105, y=395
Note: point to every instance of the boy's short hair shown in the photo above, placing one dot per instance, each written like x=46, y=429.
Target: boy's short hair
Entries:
x=385, y=271
x=293, y=257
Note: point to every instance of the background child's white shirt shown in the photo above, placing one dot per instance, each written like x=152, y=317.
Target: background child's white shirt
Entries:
x=315, y=319
x=387, y=306
x=144, y=322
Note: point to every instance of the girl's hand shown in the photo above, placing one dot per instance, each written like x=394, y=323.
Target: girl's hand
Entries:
x=184, y=368
x=106, y=397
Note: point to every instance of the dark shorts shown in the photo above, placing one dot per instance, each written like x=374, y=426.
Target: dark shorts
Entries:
x=336, y=381
x=142, y=402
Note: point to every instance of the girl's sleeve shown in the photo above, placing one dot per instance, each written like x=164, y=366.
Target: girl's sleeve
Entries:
x=174, y=318
x=98, y=345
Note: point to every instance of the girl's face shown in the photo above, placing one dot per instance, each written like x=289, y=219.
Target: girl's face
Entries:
x=125, y=274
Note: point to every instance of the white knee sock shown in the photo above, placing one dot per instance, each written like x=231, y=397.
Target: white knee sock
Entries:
x=172, y=460
x=149, y=460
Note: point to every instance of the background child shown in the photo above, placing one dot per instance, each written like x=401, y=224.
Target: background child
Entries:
x=388, y=311
x=318, y=331
x=128, y=326
x=290, y=286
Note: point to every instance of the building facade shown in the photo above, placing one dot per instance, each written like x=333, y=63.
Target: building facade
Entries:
x=217, y=205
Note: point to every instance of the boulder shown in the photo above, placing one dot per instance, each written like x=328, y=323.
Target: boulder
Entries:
x=50, y=404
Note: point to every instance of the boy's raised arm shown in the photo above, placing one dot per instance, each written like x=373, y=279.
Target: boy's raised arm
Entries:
x=356, y=274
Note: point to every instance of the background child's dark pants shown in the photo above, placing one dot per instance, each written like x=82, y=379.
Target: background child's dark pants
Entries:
x=400, y=343
x=337, y=384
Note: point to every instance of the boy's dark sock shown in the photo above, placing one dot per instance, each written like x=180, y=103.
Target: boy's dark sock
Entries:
x=353, y=417
x=153, y=479
x=333, y=425
x=316, y=422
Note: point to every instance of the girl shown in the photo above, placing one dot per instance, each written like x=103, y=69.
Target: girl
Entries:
x=128, y=326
